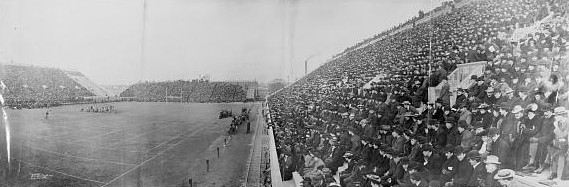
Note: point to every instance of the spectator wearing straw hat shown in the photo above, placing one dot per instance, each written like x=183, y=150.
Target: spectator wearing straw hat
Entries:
x=506, y=178
x=492, y=165
x=489, y=98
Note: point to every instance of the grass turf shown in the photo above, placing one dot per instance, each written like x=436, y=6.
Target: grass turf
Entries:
x=143, y=144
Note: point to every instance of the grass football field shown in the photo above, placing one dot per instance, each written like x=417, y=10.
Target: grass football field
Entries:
x=143, y=144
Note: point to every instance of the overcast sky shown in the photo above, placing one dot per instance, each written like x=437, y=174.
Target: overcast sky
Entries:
x=228, y=39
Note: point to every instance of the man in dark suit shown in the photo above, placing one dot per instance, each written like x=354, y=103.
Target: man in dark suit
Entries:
x=396, y=170
x=478, y=90
x=486, y=117
x=479, y=171
x=406, y=109
x=453, y=136
x=449, y=165
x=287, y=166
x=432, y=162
x=543, y=138
x=398, y=140
x=335, y=158
x=500, y=146
x=461, y=174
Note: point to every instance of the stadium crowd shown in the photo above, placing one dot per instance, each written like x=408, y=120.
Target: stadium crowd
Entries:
x=190, y=91
x=511, y=121
x=35, y=87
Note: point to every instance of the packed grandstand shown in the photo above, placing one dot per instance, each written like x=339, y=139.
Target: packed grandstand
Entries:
x=392, y=132
x=186, y=91
x=38, y=87
x=32, y=86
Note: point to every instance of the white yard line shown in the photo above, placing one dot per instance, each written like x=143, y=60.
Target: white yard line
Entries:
x=96, y=136
x=85, y=158
x=149, y=159
x=181, y=134
x=66, y=174
x=139, y=135
x=97, y=147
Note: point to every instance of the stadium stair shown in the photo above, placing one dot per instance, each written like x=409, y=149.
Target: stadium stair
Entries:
x=459, y=78
x=90, y=85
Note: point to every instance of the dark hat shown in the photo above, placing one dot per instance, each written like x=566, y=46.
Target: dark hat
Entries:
x=450, y=120
x=396, y=154
x=434, y=183
x=404, y=160
x=416, y=176
x=421, y=139
x=447, y=149
x=388, y=150
x=434, y=121
x=458, y=149
x=415, y=166
x=473, y=154
x=546, y=107
x=504, y=105
x=477, y=124
x=474, y=105
x=427, y=147
x=522, y=89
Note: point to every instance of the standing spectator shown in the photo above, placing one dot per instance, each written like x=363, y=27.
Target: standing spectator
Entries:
x=559, y=146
